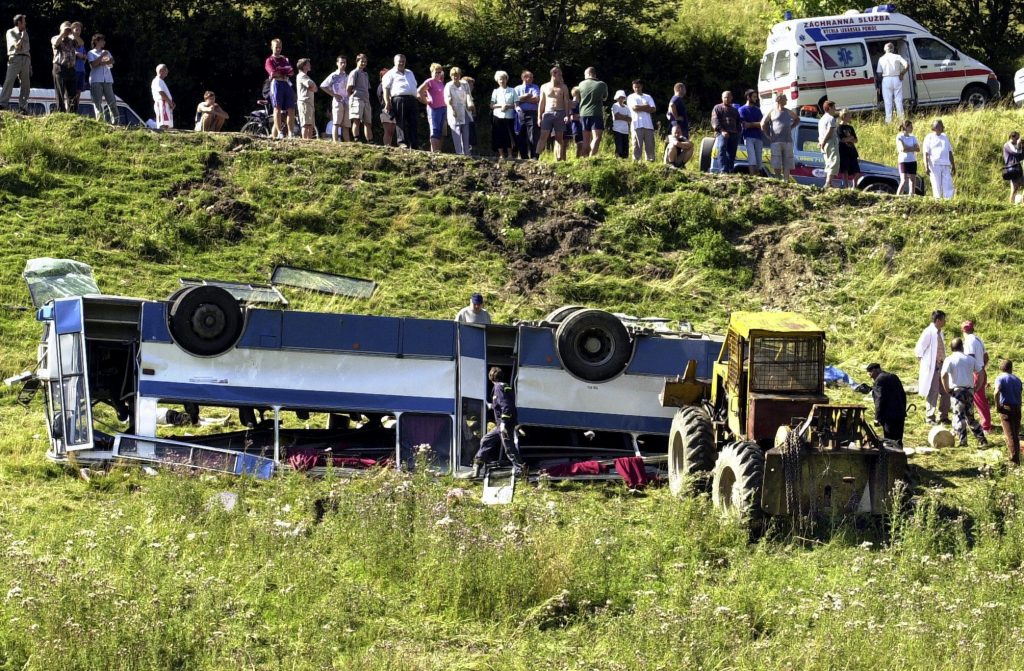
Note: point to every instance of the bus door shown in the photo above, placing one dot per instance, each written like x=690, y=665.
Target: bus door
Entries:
x=70, y=421
x=472, y=408
x=849, y=81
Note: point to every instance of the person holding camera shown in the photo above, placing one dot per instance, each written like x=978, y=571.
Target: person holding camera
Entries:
x=65, y=55
x=1013, y=151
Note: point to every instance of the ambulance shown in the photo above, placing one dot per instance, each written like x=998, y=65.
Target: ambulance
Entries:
x=835, y=58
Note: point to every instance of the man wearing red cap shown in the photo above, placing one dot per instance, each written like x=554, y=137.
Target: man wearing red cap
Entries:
x=974, y=347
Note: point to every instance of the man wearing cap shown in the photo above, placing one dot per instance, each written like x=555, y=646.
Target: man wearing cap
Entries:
x=974, y=347
x=621, y=119
x=931, y=352
x=958, y=379
x=890, y=402
x=1007, y=397
x=474, y=313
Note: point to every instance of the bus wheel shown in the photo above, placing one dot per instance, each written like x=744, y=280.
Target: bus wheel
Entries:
x=205, y=321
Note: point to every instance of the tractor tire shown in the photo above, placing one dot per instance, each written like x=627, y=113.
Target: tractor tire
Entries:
x=558, y=315
x=691, y=451
x=593, y=345
x=205, y=321
x=736, y=481
x=707, y=146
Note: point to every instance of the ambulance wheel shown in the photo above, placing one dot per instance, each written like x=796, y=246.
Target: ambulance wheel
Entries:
x=737, y=480
x=593, y=345
x=975, y=96
x=558, y=315
x=707, y=145
x=205, y=320
x=691, y=451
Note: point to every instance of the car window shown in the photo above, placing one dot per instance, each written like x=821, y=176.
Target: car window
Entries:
x=766, y=67
x=34, y=109
x=128, y=117
x=838, y=56
x=807, y=139
x=782, y=64
x=930, y=49
x=86, y=109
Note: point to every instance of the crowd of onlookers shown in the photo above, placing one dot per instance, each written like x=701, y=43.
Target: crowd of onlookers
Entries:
x=524, y=119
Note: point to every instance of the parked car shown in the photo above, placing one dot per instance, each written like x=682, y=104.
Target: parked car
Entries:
x=834, y=57
x=44, y=101
x=810, y=164
x=1018, y=87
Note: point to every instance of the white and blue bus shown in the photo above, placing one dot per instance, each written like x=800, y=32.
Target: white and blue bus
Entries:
x=316, y=389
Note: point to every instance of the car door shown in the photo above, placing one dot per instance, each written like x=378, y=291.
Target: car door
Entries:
x=809, y=163
x=849, y=81
x=939, y=73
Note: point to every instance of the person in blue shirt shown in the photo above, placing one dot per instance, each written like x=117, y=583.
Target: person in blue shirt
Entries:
x=753, y=138
x=677, y=110
x=527, y=96
x=1007, y=397
x=503, y=402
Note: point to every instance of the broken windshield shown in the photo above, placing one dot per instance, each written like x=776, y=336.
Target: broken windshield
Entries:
x=325, y=283
x=57, y=278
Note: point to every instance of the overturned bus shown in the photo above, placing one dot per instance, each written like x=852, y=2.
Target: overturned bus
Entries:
x=314, y=390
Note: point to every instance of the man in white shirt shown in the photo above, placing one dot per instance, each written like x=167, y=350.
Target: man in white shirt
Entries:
x=974, y=347
x=931, y=353
x=474, y=313
x=163, y=103
x=892, y=68
x=938, y=161
x=359, y=108
x=19, y=64
x=958, y=376
x=641, y=106
x=336, y=86
x=305, y=88
x=400, y=100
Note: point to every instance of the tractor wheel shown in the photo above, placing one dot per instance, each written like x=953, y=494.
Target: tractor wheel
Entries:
x=737, y=479
x=593, y=345
x=206, y=321
x=691, y=451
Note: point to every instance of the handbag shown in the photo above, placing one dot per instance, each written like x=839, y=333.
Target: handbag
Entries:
x=1012, y=172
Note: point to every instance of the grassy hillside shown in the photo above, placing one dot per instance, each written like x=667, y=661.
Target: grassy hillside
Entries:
x=399, y=572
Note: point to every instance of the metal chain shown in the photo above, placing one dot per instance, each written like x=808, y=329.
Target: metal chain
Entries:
x=791, y=472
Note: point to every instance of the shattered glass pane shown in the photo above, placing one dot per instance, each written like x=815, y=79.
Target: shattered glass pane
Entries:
x=57, y=278
x=243, y=292
x=325, y=283
x=174, y=453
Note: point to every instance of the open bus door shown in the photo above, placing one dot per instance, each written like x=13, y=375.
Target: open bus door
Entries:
x=472, y=408
x=69, y=406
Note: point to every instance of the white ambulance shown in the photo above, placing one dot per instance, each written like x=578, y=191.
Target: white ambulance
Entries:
x=835, y=58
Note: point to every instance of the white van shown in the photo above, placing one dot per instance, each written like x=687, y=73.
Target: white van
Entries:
x=834, y=58
x=44, y=101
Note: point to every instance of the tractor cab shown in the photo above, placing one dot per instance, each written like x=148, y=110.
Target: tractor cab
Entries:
x=768, y=372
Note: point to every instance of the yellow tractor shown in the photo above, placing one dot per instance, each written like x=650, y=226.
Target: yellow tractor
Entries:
x=762, y=434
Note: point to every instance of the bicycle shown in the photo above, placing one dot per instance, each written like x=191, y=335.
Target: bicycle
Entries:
x=259, y=123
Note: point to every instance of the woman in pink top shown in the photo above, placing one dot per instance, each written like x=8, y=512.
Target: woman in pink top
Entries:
x=431, y=94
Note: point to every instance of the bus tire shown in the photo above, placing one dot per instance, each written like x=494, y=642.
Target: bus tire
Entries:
x=206, y=321
x=707, y=146
x=558, y=315
x=593, y=345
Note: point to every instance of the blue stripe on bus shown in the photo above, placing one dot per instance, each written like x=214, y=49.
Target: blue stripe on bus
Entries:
x=341, y=332
x=472, y=341
x=154, y=322
x=216, y=394
x=428, y=338
x=668, y=356
x=594, y=420
x=67, y=315
x=537, y=348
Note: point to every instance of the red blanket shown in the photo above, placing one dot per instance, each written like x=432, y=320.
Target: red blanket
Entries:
x=632, y=471
x=578, y=468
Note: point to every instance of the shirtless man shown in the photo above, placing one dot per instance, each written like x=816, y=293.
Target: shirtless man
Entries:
x=553, y=109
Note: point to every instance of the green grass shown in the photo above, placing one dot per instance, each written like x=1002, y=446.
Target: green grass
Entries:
x=391, y=571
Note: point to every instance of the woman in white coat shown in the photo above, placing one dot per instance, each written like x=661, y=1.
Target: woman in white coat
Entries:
x=930, y=353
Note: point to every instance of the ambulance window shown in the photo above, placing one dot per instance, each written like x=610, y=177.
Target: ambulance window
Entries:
x=929, y=49
x=839, y=56
x=782, y=64
x=766, y=67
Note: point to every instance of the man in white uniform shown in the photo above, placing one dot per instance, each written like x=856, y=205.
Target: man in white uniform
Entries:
x=958, y=379
x=938, y=161
x=931, y=353
x=892, y=68
x=163, y=104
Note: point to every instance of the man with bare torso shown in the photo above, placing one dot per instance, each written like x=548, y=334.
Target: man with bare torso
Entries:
x=553, y=109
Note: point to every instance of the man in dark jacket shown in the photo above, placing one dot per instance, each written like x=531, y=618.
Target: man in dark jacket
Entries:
x=503, y=403
x=890, y=402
